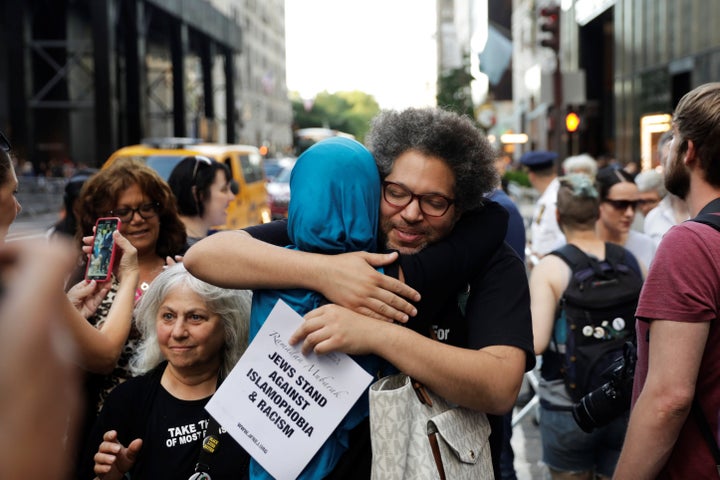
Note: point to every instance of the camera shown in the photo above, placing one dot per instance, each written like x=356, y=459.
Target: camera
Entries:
x=612, y=399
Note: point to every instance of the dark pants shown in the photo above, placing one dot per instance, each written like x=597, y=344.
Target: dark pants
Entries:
x=507, y=457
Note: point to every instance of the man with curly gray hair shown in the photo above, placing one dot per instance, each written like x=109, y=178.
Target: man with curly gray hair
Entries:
x=435, y=167
x=433, y=138
x=442, y=134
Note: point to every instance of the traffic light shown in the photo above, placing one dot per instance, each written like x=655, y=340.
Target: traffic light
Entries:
x=550, y=23
x=572, y=122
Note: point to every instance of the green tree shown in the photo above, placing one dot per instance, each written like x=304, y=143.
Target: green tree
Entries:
x=454, y=91
x=348, y=112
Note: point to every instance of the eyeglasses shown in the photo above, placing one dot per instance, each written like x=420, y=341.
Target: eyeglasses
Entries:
x=146, y=212
x=198, y=159
x=4, y=143
x=431, y=204
x=622, y=205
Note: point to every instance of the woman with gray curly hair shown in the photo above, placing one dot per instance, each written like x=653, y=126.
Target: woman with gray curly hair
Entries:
x=154, y=425
x=232, y=306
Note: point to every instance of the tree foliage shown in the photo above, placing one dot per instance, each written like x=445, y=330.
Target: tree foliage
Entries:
x=348, y=112
x=454, y=92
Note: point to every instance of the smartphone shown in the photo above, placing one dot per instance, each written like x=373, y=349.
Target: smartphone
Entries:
x=102, y=257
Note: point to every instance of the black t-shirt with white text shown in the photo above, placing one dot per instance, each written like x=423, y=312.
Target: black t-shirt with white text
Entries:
x=172, y=431
x=497, y=312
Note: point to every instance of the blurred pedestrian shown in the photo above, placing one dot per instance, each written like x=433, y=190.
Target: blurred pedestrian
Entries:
x=651, y=190
x=568, y=451
x=155, y=425
x=545, y=235
x=618, y=203
x=582, y=163
x=39, y=386
x=515, y=237
x=204, y=189
x=672, y=209
x=9, y=204
x=678, y=328
x=67, y=225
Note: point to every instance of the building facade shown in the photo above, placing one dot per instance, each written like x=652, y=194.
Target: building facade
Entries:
x=80, y=78
x=625, y=64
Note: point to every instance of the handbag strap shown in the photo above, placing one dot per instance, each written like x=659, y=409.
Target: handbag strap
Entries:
x=706, y=432
x=424, y=398
x=421, y=392
x=432, y=437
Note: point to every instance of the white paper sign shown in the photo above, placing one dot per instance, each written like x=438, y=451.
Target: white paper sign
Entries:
x=281, y=405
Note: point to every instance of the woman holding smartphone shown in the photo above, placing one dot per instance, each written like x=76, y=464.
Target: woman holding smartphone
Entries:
x=144, y=203
x=100, y=347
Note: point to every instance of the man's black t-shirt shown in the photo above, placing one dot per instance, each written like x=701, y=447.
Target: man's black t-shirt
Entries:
x=497, y=312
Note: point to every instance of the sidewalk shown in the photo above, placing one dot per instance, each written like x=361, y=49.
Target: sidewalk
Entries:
x=526, y=444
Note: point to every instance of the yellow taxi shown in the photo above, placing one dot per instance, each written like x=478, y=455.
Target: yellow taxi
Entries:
x=251, y=203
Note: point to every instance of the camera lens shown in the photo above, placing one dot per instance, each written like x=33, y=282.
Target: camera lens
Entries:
x=600, y=407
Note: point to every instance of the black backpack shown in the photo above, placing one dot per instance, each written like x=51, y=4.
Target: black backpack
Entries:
x=599, y=309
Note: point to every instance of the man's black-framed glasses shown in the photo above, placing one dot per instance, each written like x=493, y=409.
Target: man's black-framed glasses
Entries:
x=199, y=159
x=146, y=212
x=431, y=204
x=4, y=143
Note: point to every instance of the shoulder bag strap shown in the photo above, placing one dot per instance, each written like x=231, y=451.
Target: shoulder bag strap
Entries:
x=706, y=215
x=706, y=432
x=712, y=207
x=573, y=256
x=708, y=219
x=614, y=253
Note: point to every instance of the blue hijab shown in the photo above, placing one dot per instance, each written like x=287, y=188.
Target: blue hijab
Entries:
x=334, y=208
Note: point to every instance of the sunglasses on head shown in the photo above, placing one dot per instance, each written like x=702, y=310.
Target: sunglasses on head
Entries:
x=199, y=159
x=4, y=143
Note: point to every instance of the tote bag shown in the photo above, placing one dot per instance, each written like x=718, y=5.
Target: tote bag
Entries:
x=416, y=434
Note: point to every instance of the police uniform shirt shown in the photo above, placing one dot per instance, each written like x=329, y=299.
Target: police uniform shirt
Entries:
x=545, y=234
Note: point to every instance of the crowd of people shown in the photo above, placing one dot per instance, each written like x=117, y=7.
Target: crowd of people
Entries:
x=405, y=253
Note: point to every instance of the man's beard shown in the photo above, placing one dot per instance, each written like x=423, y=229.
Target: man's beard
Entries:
x=386, y=226
x=677, y=177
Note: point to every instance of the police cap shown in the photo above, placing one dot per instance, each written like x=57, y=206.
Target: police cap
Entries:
x=538, y=160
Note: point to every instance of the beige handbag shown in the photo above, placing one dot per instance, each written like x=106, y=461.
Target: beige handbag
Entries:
x=416, y=434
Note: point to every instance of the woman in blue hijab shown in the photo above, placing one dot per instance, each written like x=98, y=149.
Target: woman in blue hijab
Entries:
x=334, y=208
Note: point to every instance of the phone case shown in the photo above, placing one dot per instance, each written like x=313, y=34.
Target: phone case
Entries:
x=102, y=258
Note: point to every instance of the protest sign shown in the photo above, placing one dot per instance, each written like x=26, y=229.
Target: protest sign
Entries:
x=281, y=405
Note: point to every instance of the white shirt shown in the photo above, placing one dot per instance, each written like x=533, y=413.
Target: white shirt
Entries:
x=642, y=246
x=660, y=219
x=545, y=234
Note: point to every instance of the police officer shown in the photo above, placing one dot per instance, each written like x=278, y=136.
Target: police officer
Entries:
x=545, y=235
